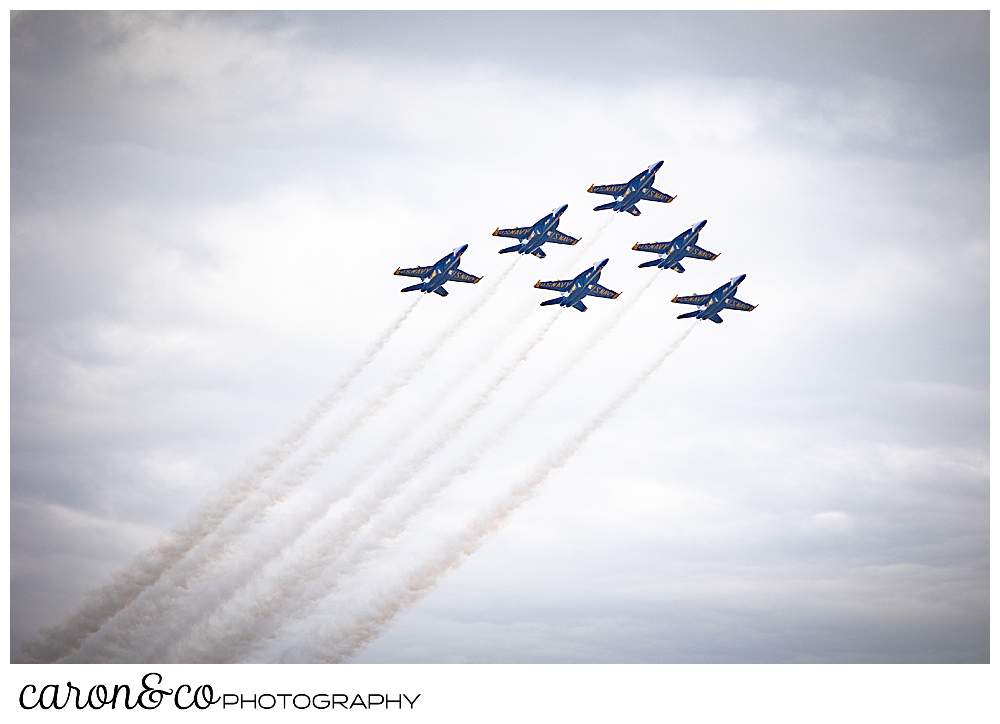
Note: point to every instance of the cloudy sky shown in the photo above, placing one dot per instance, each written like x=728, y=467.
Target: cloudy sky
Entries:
x=206, y=210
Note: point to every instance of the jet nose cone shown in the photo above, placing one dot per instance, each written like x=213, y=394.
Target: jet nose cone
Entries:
x=461, y=250
x=656, y=166
x=739, y=279
x=560, y=210
x=700, y=225
x=600, y=264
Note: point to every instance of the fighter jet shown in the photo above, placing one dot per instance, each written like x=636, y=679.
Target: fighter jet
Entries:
x=671, y=252
x=628, y=195
x=709, y=305
x=574, y=290
x=433, y=278
x=534, y=236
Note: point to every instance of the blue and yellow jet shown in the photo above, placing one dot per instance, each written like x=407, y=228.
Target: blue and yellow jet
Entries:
x=671, y=252
x=574, y=290
x=534, y=236
x=709, y=305
x=433, y=278
x=640, y=188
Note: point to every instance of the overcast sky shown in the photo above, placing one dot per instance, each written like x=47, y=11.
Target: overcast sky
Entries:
x=206, y=210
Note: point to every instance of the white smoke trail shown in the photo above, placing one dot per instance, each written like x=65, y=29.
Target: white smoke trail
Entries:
x=249, y=510
x=222, y=642
x=148, y=567
x=345, y=644
x=588, y=242
x=327, y=401
x=225, y=583
x=302, y=583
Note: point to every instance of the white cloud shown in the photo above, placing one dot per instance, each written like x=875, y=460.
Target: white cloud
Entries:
x=203, y=235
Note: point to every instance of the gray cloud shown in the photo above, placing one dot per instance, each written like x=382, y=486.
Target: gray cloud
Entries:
x=206, y=208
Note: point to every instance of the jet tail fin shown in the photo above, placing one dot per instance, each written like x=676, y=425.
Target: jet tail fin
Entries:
x=414, y=288
x=604, y=207
x=551, y=301
x=635, y=212
x=509, y=249
x=689, y=314
x=678, y=268
x=716, y=318
x=442, y=291
x=651, y=262
x=581, y=306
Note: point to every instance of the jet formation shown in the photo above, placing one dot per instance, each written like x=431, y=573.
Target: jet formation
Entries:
x=573, y=291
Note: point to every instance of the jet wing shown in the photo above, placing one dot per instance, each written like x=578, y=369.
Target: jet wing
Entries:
x=457, y=275
x=696, y=252
x=561, y=238
x=656, y=246
x=653, y=195
x=696, y=299
x=597, y=290
x=417, y=271
x=518, y=232
x=609, y=190
x=733, y=303
x=560, y=286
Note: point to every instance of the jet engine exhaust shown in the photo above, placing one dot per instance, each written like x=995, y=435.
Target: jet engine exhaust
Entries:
x=302, y=575
x=148, y=567
x=421, y=581
x=337, y=542
x=210, y=520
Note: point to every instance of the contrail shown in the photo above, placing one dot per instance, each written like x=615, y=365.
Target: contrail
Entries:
x=327, y=401
x=252, y=510
x=226, y=585
x=342, y=647
x=267, y=606
x=148, y=567
x=305, y=576
x=587, y=243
